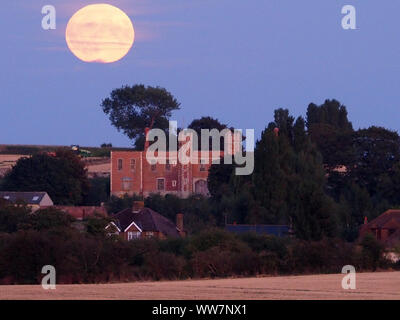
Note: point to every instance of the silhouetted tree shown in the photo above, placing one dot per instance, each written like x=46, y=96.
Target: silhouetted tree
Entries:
x=132, y=109
x=62, y=176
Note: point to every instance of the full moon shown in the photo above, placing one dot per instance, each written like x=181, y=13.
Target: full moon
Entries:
x=100, y=33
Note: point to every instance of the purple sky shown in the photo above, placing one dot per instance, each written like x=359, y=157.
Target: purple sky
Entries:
x=234, y=60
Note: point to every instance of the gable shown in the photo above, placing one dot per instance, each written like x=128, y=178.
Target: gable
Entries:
x=133, y=227
x=112, y=227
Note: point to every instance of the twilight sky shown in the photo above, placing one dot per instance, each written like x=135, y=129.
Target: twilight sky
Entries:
x=234, y=60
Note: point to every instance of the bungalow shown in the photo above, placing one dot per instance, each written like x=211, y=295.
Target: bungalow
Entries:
x=35, y=200
x=385, y=228
x=41, y=200
x=140, y=222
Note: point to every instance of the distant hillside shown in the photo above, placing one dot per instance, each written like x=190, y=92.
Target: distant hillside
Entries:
x=15, y=149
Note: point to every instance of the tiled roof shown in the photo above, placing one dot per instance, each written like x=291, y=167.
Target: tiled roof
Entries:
x=27, y=197
x=147, y=220
x=390, y=216
x=82, y=212
x=276, y=230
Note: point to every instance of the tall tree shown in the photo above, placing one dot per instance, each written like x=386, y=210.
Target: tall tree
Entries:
x=132, y=109
x=377, y=151
x=332, y=132
x=289, y=179
x=207, y=123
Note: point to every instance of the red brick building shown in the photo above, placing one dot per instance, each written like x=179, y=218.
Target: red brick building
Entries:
x=385, y=228
x=131, y=173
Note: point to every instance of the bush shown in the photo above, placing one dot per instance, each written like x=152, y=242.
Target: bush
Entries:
x=372, y=252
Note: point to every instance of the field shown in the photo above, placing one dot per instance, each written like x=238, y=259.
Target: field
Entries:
x=382, y=285
x=97, y=166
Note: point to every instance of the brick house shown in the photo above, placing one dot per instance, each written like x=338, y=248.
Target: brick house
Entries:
x=132, y=173
x=140, y=222
x=385, y=228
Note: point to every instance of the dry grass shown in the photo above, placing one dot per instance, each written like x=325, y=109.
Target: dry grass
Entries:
x=383, y=285
x=8, y=160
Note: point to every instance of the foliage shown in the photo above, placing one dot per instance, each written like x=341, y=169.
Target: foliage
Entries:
x=48, y=237
x=132, y=109
x=99, y=191
x=62, y=176
x=117, y=204
x=207, y=123
x=372, y=251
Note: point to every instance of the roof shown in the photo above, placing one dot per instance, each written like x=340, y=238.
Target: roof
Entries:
x=276, y=230
x=147, y=220
x=387, y=220
x=390, y=217
x=27, y=197
x=82, y=212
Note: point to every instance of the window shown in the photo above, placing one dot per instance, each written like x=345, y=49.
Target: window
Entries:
x=160, y=184
x=153, y=167
x=168, y=166
x=174, y=183
x=149, y=234
x=35, y=198
x=202, y=165
x=133, y=235
x=133, y=165
x=119, y=164
x=126, y=184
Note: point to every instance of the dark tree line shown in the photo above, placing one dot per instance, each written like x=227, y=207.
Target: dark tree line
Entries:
x=82, y=252
x=317, y=174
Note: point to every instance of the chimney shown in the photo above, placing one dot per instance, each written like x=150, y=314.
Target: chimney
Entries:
x=137, y=206
x=179, y=223
x=146, y=142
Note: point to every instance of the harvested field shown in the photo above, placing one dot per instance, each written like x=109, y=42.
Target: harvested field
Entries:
x=382, y=285
x=7, y=161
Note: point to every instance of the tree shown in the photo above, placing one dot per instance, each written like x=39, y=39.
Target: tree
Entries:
x=49, y=218
x=219, y=178
x=12, y=217
x=132, y=109
x=99, y=191
x=62, y=176
x=97, y=224
x=332, y=112
x=377, y=151
x=289, y=179
x=207, y=123
x=117, y=204
x=389, y=185
x=332, y=132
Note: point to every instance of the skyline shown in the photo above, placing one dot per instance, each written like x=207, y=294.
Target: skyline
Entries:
x=234, y=61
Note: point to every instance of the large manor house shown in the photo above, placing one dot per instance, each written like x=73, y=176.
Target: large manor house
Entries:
x=132, y=173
